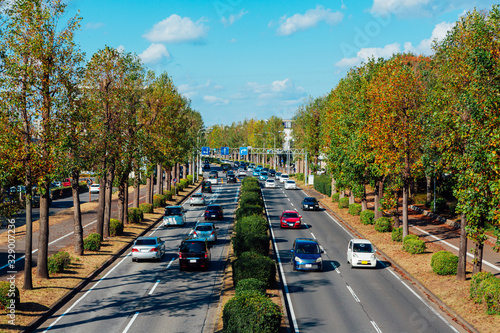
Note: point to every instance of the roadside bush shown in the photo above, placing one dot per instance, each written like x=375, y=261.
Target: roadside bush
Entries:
x=190, y=179
x=248, y=210
x=383, y=224
x=251, y=284
x=478, y=284
x=367, y=217
x=8, y=296
x=492, y=296
x=92, y=242
x=115, y=227
x=444, y=263
x=158, y=201
x=167, y=195
x=251, y=235
x=344, y=202
x=251, y=312
x=58, y=262
x=354, y=209
x=323, y=184
x=254, y=265
x=299, y=176
x=397, y=234
x=413, y=245
x=134, y=215
x=441, y=205
x=184, y=182
x=146, y=208
x=251, y=198
x=335, y=197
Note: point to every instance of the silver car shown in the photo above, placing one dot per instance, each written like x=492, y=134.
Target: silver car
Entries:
x=206, y=231
x=197, y=199
x=174, y=215
x=148, y=248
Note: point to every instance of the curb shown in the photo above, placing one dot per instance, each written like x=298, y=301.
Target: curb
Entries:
x=404, y=274
x=435, y=216
x=33, y=325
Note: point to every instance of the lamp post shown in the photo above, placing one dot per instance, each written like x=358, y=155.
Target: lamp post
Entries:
x=262, y=147
x=198, y=159
x=274, y=149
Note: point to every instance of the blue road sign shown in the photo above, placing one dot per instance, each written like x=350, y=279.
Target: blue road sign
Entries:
x=243, y=151
x=205, y=151
x=224, y=150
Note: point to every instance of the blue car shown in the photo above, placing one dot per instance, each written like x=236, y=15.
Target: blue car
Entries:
x=306, y=255
x=263, y=175
x=255, y=173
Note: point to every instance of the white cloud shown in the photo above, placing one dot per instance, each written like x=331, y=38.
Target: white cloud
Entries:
x=120, y=48
x=233, y=18
x=154, y=53
x=425, y=46
x=398, y=7
x=215, y=100
x=192, y=90
x=281, y=89
x=311, y=18
x=176, y=29
x=94, y=25
x=370, y=52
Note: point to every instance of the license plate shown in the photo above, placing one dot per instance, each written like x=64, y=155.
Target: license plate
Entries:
x=193, y=261
x=291, y=224
x=144, y=250
x=364, y=262
x=212, y=215
x=309, y=265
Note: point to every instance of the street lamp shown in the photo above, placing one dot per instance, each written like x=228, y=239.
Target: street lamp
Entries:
x=263, y=142
x=274, y=149
x=198, y=160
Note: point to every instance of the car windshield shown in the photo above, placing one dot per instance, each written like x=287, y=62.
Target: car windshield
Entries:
x=312, y=200
x=284, y=176
x=173, y=211
x=362, y=247
x=145, y=242
x=307, y=248
x=288, y=215
x=203, y=228
x=192, y=247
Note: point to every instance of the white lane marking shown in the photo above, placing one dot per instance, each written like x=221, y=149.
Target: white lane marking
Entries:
x=170, y=263
x=421, y=299
x=313, y=235
x=158, y=227
x=154, y=287
x=130, y=323
x=376, y=327
x=56, y=240
x=453, y=246
x=291, y=204
x=287, y=292
x=353, y=294
x=335, y=268
x=324, y=251
x=288, y=199
x=86, y=293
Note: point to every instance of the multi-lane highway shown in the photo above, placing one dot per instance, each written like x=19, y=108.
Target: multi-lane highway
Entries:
x=341, y=299
x=150, y=296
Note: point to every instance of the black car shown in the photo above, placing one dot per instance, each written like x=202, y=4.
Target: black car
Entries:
x=206, y=167
x=194, y=253
x=206, y=186
x=226, y=167
x=214, y=212
x=310, y=203
x=272, y=173
x=231, y=178
x=236, y=164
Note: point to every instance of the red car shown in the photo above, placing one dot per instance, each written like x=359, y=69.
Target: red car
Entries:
x=66, y=182
x=290, y=219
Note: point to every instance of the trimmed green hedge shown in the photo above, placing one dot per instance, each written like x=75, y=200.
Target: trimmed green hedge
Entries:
x=367, y=217
x=115, y=227
x=323, y=184
x=58, y=262
x=485, y=286
x=254, y=265
x=248, y=210
x=158, y=201
x=146, y=208
x=344, y=202
x=9, y=295
x=397, y=234
x=383, y=224
x=335, y=197
x=251, y=312
x=251, y=198
x=92, y=242
x=478, y=285
x=251, y=235
x=354, y=209
x=135, y=215
x=444, y=263
x=251, y=284
x=413, y=245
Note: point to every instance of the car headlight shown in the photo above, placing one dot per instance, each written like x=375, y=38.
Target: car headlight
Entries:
x=297, y=259
x=319, y=259
x=372, y=257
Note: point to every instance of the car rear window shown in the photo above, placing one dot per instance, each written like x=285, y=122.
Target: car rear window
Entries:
x=270, y=180
x=192, y=247
x=197, y=195
x=145, y=242
x=290, y=181
x=203, y=228
x=216, y=208
x=173, y=211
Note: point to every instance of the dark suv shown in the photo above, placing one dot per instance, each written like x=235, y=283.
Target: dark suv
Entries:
x=214, y=212
x=206, y=187
x=310, y=203
x=194, y=253
x=231, y=178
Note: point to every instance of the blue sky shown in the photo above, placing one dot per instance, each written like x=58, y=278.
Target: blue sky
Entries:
x=237, y=59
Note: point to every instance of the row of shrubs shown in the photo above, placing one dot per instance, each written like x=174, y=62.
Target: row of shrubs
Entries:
x=250, y=310
x=323, y=184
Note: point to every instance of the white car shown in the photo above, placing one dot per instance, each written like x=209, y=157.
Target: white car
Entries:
x=284, y=177
x=290, y=185
x=213, y=179
x=197, y=199
x=270, y=183
x=242, y=172
x=94, y=188
x=361, y=253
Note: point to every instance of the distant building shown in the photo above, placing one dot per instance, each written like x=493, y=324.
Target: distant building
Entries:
x=287, y=124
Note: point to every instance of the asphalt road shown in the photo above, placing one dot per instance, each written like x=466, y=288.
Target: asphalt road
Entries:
x=150, y=296
x=341, y=299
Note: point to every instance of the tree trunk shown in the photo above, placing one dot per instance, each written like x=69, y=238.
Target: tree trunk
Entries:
x=352, y=199
x=125, y=213
x=177, y=172
x=152, y=188
x=395, y=216
x=77, y=215
x=137, y=189
x=159, y=179
x=42, y=270
x=102, y=203
x=148, y=190
x=406, y=188
x=168, y=178
x=334, y=186
x=121, y=201
x=342, y=194
x=364, y=205
x=478, y=258
x=109, y=193
x=28, y=256
x=462, y=252
x=379, y=192
x=428, y=188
